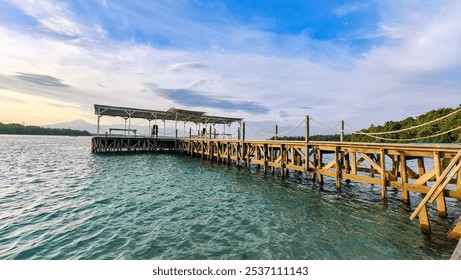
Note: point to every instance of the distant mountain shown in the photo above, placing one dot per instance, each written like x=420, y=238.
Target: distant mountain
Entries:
x=75, y=124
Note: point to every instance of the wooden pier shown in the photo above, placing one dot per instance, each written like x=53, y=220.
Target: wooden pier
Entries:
x=107, y=144
x=432, y=170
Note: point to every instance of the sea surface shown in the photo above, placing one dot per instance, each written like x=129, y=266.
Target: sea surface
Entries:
x=59, y=201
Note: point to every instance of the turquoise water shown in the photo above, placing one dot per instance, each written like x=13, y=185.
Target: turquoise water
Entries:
x=59, y=201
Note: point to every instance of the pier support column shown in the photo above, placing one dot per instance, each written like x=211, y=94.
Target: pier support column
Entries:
x=272, y=158
x=404, y=178
x=228, y=153
x=247, y=152
x=424, y=220
x=441, y=205
x=455, y=233
x=347, y=165
x=338, y=168
x=319, y=166
x=353, y=162
x=282, y=161
x=458, y=180
x=382, y=159
x=341, y=132
x=237, y=151
x=421, y=168
x=265, y=158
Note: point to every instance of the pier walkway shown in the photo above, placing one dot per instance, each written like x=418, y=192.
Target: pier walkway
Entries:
x=432, y=170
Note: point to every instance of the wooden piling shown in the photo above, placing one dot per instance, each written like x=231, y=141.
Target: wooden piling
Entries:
x=404, y=179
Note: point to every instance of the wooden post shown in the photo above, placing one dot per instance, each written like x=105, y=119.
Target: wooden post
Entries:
x=202, y=148
x=306, y=138
x=383, y=174
x=247, y=154
x=421, y=168
x=338, y=168
x=353, y=162
x=404, y=177
x=319, y=166
x=306, y=135
x=347, y=166
x=243, y=132
x=218, y=149
x=424, y=220
x=458, y=180
x=99, y=116
x=276, y=131
x=228, y=153
x=237, y=150
x=341, y=135
x=282, y=161
x=265, y=158
x=190, y=132
x=441, y=206
x=455, y=233
x=272, y=157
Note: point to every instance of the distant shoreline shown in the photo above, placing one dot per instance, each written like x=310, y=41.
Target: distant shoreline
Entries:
x=19, y=129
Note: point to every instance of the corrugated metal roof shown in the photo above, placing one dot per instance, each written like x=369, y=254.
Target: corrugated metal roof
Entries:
x=172, y=114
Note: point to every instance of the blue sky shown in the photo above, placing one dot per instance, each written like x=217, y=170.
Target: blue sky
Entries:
x=271, y=62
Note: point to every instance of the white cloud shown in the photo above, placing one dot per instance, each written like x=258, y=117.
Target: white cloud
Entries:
x=53, y=16
x=390, y=81
x=347, y=9
x=426, y=41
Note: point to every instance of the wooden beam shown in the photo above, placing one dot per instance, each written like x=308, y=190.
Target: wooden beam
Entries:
x=439, y=182
x=455, y=233
x=382, y=158
x=404, y=178
x=337, y=168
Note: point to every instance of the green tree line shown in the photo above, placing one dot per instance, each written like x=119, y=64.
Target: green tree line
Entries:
x=435, y=128
x=15, y=128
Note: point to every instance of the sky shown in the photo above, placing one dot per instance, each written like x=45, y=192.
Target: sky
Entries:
x=269, y=62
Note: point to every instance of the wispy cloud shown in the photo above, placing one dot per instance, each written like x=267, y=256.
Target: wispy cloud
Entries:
x=350, y=8
x=60, y=105
x=51, y=15
x=11, y=99
x=56, y=17
x=184, y=66
x=43, y=80
x=191, y=98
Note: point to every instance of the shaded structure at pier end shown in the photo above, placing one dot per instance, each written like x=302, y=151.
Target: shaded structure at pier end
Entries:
x=173, y=114
x=156, y=140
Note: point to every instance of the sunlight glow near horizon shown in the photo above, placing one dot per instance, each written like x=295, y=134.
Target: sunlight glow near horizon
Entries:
x=266, y=61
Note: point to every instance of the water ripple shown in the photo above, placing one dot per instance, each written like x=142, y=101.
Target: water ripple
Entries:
x=58, y=201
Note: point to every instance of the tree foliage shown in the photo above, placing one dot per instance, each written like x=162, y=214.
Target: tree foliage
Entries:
x=437, y=127
x=15, y=128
